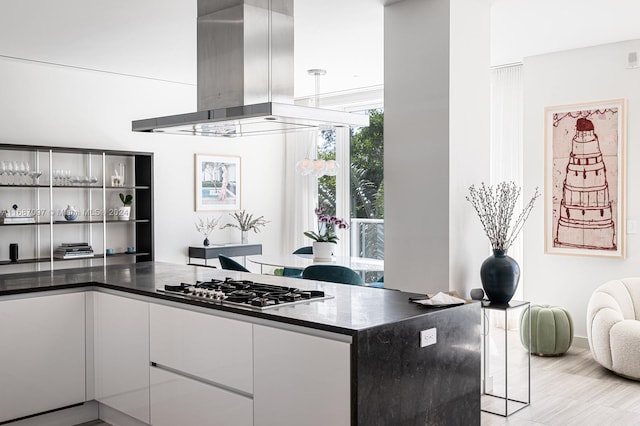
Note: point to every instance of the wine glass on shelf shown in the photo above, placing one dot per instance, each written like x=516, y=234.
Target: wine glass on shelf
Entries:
x=3, y=171
x=34, y=176
x=16, y=173
x=21, y=172
x=9, y=173
x=56, y=177
x=26, y=173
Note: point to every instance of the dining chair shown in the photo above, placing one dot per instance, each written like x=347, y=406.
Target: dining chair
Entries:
x=332, y=273
x=297, y=273
x=377, y=284
x=228, y=263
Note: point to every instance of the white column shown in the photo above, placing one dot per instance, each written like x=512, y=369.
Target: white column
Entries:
x=436, y=142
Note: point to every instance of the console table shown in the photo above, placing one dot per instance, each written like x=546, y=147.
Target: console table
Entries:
x=511, y=391
x=230, y=250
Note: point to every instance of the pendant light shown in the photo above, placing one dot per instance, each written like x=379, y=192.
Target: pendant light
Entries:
x=317, y=167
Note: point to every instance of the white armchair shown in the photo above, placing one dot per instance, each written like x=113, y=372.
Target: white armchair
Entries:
x=613, y=326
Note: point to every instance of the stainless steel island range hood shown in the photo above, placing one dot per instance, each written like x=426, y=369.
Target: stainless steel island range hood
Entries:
x=245, y=76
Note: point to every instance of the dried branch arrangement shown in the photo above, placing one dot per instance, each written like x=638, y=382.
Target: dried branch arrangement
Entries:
x=206, y=227
x=246, y=222
x=495, y=207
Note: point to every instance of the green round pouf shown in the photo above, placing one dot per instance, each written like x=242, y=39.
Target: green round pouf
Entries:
x=551, y=330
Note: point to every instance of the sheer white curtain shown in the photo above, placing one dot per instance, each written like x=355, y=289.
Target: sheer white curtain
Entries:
x=301, y=191
x=343, y=188
x=507, y=139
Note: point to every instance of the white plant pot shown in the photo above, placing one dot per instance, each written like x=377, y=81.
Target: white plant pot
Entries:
x=323, y=251
x=124, y=213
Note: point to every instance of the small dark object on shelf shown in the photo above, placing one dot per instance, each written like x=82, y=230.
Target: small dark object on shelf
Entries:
x=13, y=252
x=477, y=294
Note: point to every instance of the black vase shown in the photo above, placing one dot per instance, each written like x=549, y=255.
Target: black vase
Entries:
x=206, y=242
x=500, y=274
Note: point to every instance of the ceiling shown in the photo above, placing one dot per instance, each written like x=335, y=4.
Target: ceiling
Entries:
x=521, y=28
x=156, y=38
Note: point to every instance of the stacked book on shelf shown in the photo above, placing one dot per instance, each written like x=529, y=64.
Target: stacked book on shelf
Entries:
x=7, y=217
x=6, y=220
x=73, y=251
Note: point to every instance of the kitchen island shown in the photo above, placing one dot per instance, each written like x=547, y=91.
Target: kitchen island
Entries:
x=354, y=358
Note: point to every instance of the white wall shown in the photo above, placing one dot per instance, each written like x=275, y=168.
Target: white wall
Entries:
x=574, y=76
x=150, y=38
x=436, y=142
x=468, y=139
x=522, y=28
x=61, y=106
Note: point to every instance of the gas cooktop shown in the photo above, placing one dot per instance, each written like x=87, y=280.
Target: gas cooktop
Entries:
x=244, y=293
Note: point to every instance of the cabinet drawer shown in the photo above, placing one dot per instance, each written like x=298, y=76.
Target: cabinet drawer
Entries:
x=121, y=354
x=219, y=350
x=311, y=375
x=178, y=400
x=42, y=354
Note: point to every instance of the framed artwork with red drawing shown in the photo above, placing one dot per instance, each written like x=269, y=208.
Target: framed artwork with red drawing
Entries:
x=585, y=179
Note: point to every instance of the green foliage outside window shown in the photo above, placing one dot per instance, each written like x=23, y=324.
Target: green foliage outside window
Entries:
x=367, y=171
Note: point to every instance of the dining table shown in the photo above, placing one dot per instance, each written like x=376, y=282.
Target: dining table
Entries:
x=301, y=261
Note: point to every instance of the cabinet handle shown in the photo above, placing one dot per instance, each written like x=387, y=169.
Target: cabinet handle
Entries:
x=202, y=380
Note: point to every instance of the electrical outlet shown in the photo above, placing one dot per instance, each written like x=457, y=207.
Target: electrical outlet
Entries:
x=428, y=337
x=632, y=226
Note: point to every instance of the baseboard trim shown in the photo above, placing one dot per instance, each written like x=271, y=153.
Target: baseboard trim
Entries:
x=580, y=342
x=118, y=418
x=69, y=416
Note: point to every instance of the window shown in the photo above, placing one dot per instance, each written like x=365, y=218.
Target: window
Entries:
x=361, y=177
x=367, y=188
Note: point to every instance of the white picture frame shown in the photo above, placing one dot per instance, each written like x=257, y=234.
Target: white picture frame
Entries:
x=585, y=179
x=217, y=182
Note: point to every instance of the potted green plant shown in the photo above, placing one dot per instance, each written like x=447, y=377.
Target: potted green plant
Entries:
x=124, y=212
x=245, y=222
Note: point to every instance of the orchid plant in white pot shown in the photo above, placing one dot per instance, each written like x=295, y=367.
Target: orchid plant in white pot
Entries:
x=325, y=239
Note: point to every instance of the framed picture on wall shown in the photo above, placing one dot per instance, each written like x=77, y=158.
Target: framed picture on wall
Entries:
x=585, y=179
x=217, y=182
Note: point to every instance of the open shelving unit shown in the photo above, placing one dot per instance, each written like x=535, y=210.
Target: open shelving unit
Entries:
x=46, y=197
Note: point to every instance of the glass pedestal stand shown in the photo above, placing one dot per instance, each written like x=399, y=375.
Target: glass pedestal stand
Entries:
x=506, y=377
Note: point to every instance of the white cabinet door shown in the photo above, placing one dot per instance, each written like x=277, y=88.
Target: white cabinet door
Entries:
x=121, y=354
x=300, y=379
x=216, y=349
x=42, y=354
x=177, y=400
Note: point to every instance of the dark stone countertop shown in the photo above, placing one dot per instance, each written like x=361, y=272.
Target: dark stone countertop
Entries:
x=353, y=308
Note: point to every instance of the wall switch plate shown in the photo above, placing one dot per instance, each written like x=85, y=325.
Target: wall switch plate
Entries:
x=632, y=226
x=428, y=337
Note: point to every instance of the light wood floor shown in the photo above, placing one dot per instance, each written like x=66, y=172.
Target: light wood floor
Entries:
x=573, y=389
